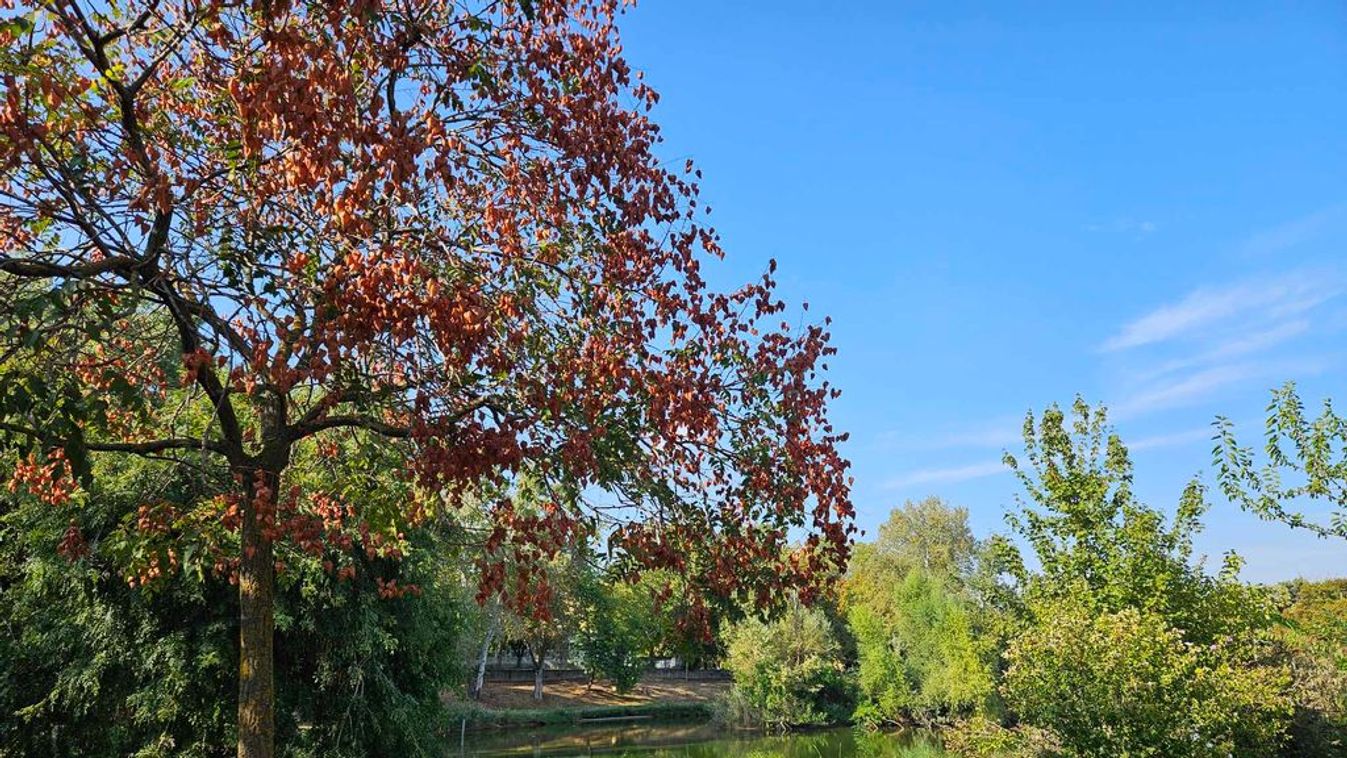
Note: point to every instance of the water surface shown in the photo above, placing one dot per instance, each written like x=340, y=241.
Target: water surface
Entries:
x=693, y=741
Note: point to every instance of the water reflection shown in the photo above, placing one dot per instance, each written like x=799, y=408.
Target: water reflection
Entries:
x=696, y=741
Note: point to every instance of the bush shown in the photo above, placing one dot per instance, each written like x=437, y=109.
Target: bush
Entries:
x=788, y=672
x=981, y=737
x=1314, y=637
x=358, y=674
x=91, y=666
x=1126, y=646
x=1127, y=683
x=921, y=660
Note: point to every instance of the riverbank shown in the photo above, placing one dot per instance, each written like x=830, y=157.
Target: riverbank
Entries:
x=511, y=704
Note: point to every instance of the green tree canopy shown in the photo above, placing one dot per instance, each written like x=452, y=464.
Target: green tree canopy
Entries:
x=912, y=606
x=1305, y=459
x=1128, y=647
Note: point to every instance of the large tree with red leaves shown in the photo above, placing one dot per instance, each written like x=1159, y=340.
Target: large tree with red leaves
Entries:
x=250, y=230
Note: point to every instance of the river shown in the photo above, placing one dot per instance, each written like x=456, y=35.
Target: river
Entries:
x=693, y=741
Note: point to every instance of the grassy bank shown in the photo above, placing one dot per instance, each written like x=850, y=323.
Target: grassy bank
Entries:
x=480, y=718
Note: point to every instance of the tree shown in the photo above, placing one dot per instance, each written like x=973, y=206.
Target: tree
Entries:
x=617, y=627
x=911, y=604
x=488, y=622
x=437, y=225
x=1128, y=647
x=923, y=659
x=1310, y=453
x=929, y=536
x=555, y=608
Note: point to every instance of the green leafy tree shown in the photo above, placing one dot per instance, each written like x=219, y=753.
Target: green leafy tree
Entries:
x=1305, y=459
x=618, y=626
x=923, y=661
x=917, y=621
x=1121, y=622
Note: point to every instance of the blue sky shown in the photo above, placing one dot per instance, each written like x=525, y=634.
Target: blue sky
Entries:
x=1002, y=205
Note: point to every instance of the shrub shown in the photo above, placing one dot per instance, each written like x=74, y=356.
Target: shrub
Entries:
x=788, y=672
x=982, y=737
x=1314, y=637
x=1127, y=683
x=358, y=674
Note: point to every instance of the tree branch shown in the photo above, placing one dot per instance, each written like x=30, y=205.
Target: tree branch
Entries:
x=300, y=431
x=148, y=447
x=159, y=446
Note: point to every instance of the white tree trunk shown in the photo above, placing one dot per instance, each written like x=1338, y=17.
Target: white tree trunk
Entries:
x=480, y=680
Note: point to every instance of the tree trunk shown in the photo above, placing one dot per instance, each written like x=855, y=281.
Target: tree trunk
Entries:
x=539, y=659
x=257, y=624
x=480, y=681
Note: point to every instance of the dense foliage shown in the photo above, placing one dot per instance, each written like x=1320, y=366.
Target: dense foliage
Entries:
x=1314, y=634
x=242, y=234
x=789, y=671
x=91, y=665
x=1126, y=682
x=1128, y=647
x=917, y=620
x=924, y=661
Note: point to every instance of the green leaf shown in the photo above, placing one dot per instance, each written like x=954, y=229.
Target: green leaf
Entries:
x=17, y=26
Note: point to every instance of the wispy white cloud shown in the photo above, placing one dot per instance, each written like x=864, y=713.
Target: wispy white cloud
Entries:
x=1180, y=391
x=1170, y=440
x=1295, y=232
x=1139, y=227
x=945, y=475
x=1233, y=347
x=1203, y=384
x=1219, y=337
x=1207, y=307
